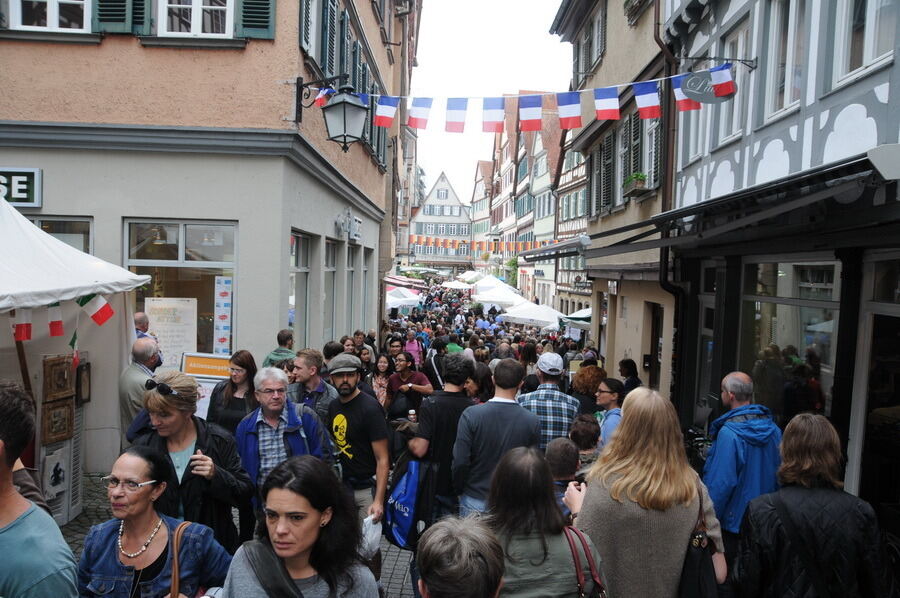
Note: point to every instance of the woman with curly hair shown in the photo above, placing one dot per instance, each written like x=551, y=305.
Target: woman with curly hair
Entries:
x=310, y=536
x=584, y=387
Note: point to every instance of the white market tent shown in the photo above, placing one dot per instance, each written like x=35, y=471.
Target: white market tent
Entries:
x=470, y=276
x=531, y=314
x=400, y=297
x=503, y=297
x=39, y=269
x=491, y=282
x=455, y=284
x=579, y=319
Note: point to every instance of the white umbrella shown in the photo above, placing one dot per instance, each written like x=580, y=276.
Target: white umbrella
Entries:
x=502, y=296
x=470, y=276
x=455, y=284
x=532, y=314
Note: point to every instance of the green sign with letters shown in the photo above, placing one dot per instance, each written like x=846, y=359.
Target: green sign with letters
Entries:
x=21, y=187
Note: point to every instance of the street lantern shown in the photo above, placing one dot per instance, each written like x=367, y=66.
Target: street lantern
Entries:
x=345, y=117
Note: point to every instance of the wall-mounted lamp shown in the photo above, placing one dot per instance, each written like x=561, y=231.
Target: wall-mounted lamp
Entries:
x=345, y=114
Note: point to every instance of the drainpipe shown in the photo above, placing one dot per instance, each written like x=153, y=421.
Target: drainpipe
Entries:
x=667, y=191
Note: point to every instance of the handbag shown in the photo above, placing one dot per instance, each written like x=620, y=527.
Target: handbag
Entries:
x=176, y=568
x=270, y=570
x=698, y=574
x=813, y=571
x=598, y=590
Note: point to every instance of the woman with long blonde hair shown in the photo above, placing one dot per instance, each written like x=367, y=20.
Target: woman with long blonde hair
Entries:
x=640, y=504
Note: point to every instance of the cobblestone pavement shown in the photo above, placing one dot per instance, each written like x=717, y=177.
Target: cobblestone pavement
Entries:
x=394, y=568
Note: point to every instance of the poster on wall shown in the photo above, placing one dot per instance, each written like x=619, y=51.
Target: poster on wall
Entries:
x=205, y=386
x=174, y=322
x=222, y=315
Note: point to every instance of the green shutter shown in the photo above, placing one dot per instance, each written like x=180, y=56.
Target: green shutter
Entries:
x=112, y=16
x=329, y=37
x=306, y=25
x=637, y=136
x=355, y=66
x=140, y=17
x=255, y=18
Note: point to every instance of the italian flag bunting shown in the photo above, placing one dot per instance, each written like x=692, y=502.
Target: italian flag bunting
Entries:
x=74, y=345
x=55, y=316
x=22, y=327
x=96, y=307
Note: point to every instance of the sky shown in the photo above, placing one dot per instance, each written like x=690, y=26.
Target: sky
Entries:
x=477, y=48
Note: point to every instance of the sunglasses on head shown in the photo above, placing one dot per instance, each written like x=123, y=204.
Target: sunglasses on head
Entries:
x=161, y=387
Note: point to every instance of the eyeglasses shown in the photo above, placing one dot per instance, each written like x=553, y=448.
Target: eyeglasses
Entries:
x=161, y=387
x=112, y=483
x=237, y=370
x=398, y=360
x=600, y=391
x=272, y=391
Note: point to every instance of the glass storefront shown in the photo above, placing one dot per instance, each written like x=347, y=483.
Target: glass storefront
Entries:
x=298, y=288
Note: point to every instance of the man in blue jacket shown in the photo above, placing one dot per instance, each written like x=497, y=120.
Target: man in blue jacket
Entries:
x=743, y=460
x=277, y=429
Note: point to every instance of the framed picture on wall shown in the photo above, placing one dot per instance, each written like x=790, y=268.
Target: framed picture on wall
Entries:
x=57, y=421
x=82, y=384
x=59, y=379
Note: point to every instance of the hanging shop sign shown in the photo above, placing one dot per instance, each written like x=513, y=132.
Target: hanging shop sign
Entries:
x=701, y=87
x=21, y=187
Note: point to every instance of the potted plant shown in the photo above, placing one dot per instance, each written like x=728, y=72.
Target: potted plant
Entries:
x=635, y=184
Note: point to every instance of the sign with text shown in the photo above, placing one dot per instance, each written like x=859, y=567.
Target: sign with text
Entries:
x=21, y=187
x=174, y=322
x=699, y=87
x=207, y=365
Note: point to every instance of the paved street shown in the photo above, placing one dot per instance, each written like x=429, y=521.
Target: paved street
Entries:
x=395, y=566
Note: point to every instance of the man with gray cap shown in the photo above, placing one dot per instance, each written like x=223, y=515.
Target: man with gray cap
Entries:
x=555, y=409
x=358, y=425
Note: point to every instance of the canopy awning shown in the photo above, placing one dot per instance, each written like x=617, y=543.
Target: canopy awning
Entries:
x=39, y=269
x=456, y=284
x=500, y=296
x=558, y=249
x=579, y=319
x=403, y=281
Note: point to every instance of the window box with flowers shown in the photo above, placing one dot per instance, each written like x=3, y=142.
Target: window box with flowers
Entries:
x=635, y=185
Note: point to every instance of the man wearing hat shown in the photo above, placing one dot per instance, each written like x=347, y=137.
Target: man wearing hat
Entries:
x=554, y=409
x=359, y=428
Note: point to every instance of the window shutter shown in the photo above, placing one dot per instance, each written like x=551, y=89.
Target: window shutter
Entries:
x=607, y=172
x=355, y=67
x=576, y=55
x=587, y=59
x=255, y=18
x=625, y=141
x=329, y=37
x=655, y=157
x=140, y=17
x=112, y=16
x=595, y=167
x=601, y=39
x=346, y=46
x=306, y=19
x=637, y=136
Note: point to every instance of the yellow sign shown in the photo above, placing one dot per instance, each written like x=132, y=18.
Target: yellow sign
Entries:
x=205, y=364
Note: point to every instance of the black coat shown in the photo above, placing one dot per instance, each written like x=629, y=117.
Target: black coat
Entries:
x=206, y=501
x=841, y=533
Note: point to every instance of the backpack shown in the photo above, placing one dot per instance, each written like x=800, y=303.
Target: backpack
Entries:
x=410, y=501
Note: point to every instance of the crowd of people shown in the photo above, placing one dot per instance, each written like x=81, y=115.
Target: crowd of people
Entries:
x=553, y=478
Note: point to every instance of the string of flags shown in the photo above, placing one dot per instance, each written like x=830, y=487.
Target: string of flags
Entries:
x=94, y=305
x=606, y=104
x=492, y=246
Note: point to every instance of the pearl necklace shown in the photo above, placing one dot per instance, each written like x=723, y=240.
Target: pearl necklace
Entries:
x=132, y=555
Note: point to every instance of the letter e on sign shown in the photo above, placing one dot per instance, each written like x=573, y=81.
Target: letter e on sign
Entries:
x=21, y=187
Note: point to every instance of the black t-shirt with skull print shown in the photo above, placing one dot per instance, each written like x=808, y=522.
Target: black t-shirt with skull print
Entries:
x=354, y=426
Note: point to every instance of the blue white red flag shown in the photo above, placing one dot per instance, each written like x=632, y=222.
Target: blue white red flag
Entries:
x=646, y=96
x=418, y=113
x=323, y=95
x=456, y=114
x=385, y=110
x=530, y=113
x=683, y=102
x=492, y=115
x=723, y=84
x=569, y=109
x=606, y=103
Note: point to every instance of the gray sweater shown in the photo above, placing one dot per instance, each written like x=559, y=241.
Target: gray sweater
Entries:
x=642, y=550
x=242, y=582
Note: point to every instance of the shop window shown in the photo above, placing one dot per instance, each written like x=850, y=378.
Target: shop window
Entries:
x=76, y=233
x=197, y=278
x=298, y=288
x=887, y=282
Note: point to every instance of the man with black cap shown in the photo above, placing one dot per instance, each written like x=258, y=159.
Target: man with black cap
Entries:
x=555, y=409
x=358, y=425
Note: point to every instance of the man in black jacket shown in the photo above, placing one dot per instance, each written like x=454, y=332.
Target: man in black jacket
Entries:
x=433, y=367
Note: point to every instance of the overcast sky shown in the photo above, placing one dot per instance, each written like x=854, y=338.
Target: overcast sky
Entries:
x=476, y=48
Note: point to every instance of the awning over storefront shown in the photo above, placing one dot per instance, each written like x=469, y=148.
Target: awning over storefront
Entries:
x=567, y=248
x=708, y=221
x=403, y=281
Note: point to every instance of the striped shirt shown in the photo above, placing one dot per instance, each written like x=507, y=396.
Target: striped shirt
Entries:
x=272, y=449
x=555, y=409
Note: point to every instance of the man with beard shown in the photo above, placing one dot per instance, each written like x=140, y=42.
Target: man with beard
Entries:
x=360, y=432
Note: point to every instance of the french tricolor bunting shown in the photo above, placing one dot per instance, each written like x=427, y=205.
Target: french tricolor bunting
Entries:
x=492, y=115
x=723, y=84
x=606, y=103
x=683, y=102
x=530, y=113
x=569, y=109
x=322, y=96
x=456, y=114
x=646, y=96
x=418, y=113
x=385, y=110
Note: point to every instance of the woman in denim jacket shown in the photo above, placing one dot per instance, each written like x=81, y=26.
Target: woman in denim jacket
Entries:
x=130, y=556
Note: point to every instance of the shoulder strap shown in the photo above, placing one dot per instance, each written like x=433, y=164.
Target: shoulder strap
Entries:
x=599, y=590
x=809, y=563
x=176, y=547
x=270, y=571
x=579, y=573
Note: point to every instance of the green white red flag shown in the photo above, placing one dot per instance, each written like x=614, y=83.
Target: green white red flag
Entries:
x=54, y=314
x=22, y=325
x=73, y=343
x=96, y=307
